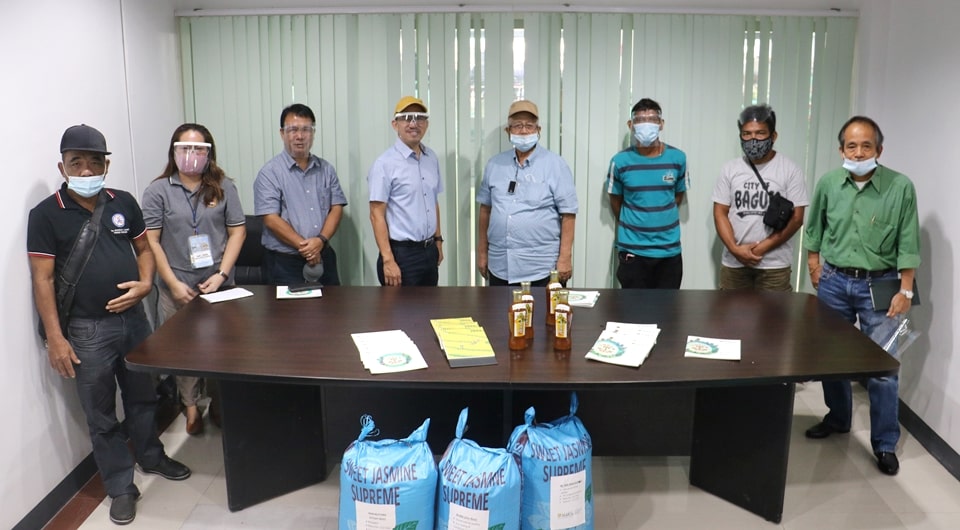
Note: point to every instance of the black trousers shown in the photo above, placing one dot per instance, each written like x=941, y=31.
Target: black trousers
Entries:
x=418, y=265
x=638, y=272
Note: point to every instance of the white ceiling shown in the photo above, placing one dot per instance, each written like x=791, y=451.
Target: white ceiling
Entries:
x=529, y=5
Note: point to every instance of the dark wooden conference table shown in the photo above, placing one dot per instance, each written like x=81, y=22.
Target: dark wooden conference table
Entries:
x=293, y=387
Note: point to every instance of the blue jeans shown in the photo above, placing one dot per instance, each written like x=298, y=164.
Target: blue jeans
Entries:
x=851, y=297
x=101, y=344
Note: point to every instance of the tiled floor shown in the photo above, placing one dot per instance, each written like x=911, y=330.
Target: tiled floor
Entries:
x=831, y=483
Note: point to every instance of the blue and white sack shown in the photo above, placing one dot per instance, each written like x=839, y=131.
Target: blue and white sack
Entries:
x=479, y=486
x=388, y=484
x=557, y=473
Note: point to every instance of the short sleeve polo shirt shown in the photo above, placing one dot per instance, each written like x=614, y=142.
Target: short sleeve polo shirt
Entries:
x=54, y=225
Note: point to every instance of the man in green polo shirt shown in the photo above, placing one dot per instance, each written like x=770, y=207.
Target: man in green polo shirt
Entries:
x=863, y=226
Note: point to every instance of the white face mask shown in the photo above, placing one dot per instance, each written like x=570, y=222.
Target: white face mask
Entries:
x=646, y=133
x=861, y=167
x=86, y=186
x=524, y=142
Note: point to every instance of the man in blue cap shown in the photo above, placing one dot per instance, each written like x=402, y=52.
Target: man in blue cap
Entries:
x=90, y=328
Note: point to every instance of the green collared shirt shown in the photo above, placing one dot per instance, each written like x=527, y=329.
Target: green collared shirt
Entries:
x=874, y=228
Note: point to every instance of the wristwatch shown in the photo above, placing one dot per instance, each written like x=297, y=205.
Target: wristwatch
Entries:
x=908, y=294
x=438, y=239
x=225, y=275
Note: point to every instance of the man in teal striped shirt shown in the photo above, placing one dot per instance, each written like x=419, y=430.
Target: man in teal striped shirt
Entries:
x=646, y=184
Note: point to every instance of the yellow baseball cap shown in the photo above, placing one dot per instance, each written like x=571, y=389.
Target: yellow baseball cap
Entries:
x=523, y=105
x=406, y=101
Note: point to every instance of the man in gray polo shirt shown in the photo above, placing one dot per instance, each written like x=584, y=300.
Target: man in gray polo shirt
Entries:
x=299, y=197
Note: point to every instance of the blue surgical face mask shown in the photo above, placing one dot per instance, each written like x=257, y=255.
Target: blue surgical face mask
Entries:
x=86, y=186
x=524, y=142
x=860, y=167
x=646, y=133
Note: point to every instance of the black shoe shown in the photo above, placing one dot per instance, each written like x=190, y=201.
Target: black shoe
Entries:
x=822, y=430
x=123, y=508
x=168, y=468
x=888, y=463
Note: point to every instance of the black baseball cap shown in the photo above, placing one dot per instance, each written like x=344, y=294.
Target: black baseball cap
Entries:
x=83, y=138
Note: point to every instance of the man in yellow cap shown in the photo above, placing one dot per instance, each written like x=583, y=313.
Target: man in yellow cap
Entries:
x=404, y=210
x=528, y=207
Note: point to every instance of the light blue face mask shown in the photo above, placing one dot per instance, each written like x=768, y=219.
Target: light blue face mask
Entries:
x=86, y=186
x=524, y=142
x=646, y=133
x=861, y=167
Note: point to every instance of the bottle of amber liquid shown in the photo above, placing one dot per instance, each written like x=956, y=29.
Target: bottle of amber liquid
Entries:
x=552, y=287
x=564, y=319
x=518, y=322
x=527, y=298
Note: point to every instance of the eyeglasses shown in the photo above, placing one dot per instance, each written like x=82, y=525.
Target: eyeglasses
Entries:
x=522, y=127
x=646, y=118
x=191, y=147
x=293, y=129
x=415, y=117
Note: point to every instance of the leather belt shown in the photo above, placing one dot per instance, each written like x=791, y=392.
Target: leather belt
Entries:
x=419, y=244
x=864, y=274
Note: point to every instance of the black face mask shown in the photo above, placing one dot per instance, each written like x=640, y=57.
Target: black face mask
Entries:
x=756, y=149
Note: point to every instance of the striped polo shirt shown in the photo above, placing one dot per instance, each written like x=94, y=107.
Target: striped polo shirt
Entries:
x=649, y=218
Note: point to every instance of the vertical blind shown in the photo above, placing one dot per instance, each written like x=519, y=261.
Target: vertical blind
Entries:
x=584, y=71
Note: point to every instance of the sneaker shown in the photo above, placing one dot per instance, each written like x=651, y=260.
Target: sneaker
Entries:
x=123, y=509
x=168, y=468
x=887, y=462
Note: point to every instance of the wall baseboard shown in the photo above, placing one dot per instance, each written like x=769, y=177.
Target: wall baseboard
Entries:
x=43, y=512
x=930, y=440
x=168, y=407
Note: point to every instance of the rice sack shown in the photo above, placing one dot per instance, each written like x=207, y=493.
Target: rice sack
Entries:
x=479, y=486
x=557, y=473
x=388, y=484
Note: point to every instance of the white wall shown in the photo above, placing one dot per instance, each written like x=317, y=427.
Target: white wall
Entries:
x=909, y=83
x=114, y=64
x=63, y=63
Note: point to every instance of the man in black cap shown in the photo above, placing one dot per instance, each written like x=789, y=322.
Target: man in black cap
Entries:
x=103, y=318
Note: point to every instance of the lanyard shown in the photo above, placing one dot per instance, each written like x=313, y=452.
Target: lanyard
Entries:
x=194, y=206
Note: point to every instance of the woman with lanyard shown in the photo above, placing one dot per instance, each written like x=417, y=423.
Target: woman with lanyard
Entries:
x=195, y=226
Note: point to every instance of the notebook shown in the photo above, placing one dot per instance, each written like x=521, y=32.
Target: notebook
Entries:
x=882, y=291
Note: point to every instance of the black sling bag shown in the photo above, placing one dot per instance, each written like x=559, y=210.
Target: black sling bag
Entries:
x=66, y=281
x=780, y=209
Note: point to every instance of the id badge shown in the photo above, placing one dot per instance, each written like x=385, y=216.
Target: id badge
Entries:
x=200, y=254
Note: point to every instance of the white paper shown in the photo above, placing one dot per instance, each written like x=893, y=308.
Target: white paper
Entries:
x=623, y=349
x=629, y=327
x=229, y=294
x=463, y=518
x=583, y=298
x=384, y=352
x=376, y=516
x=624, y=344
x=283, y=293
x=568, y=502
x=707, y=348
